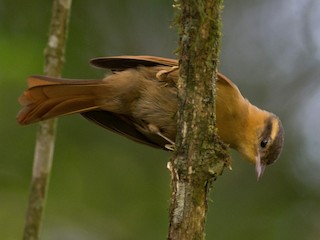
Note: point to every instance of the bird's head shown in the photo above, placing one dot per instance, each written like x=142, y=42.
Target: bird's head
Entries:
x=263, y=146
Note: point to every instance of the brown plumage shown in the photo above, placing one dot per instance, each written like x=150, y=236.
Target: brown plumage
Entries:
x=139, y=101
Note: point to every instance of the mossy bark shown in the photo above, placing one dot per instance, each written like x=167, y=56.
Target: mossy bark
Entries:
x=54, y=59
x=200, y=155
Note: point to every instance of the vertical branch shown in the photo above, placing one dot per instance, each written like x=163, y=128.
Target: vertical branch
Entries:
x=200, y=155
x=54, y=59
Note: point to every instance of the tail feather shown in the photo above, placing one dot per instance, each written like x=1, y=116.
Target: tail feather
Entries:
x=51, y=97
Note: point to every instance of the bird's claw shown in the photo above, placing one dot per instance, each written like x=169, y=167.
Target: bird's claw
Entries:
x=170, y=147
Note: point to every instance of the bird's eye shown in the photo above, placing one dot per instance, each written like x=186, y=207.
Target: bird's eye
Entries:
x=264, y=143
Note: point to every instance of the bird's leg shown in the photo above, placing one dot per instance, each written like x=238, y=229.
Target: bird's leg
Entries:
x=154, y=129
x=162, y=74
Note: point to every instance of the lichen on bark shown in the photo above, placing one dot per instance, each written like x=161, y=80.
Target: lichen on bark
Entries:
x=200, y=155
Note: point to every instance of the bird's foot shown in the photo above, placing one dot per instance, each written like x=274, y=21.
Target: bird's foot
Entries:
x=154, y=129
x=162, y=74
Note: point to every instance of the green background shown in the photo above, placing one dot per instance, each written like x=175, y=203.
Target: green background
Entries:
x=106, y=187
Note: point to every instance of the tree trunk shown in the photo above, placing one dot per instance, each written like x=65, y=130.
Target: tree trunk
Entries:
x=200, y=155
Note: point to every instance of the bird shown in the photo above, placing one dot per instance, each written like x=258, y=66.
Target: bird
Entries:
x=138, y=100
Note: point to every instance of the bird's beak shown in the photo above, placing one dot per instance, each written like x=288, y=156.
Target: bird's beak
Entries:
x=259, y=167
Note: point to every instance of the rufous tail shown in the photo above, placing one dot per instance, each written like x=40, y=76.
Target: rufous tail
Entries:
x=48, y=97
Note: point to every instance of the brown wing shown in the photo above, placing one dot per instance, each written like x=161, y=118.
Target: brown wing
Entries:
x=124, y=126
x=119, y=63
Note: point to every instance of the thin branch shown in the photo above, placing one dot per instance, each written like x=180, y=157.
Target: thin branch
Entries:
x=200, y=156
x=54, y=59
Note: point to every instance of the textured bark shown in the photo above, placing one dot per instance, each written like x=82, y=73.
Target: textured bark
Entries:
x=200, y=155
x=54, y=59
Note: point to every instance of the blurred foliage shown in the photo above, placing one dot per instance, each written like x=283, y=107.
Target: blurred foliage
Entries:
x=106, y=187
